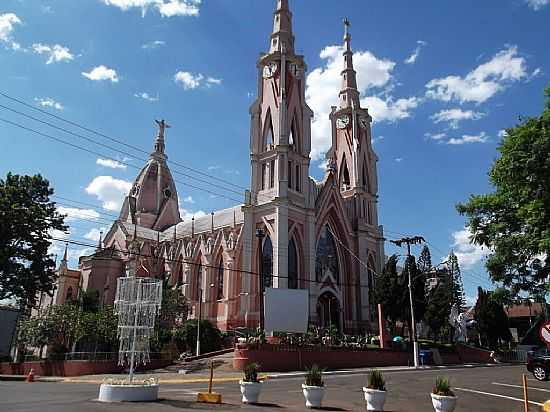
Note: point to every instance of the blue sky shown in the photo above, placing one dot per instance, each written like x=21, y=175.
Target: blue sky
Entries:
x=441, y=79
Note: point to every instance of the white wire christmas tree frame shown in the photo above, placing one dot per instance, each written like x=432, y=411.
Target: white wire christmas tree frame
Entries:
x=137, y=303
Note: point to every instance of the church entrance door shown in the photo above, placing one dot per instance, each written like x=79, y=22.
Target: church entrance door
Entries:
x=329, y=311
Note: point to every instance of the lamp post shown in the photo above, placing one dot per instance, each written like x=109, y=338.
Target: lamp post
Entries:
x=198, y=347
x=408, y=241
x=260, y=235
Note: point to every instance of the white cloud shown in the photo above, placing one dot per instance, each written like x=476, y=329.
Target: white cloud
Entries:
x=399, y=159
x=377, y=139
x=483, y=82
x=48, y=102
x=191, y=81
x=166, y=8
x=55, y=53
x=101, y=73
x=435, y=136
x=74, y=213
x=154, y=44
x=146, y=96
x=412, y=58
x=187, y=215
x=537, y=4
x=465, y=139
x=189, y=199
x=7, y=22
x=95, y=233
x=324, y=83
x=389, y=110
x=468, y=254
x=502, y=133
x=113, y=164
x=455, y=116
x=109, y=190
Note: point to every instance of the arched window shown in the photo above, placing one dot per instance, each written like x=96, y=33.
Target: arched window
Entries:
x=69, y=297
x=365, y=176
x=346, y=181
x=326, y=261
x=198, y=283
x=371, y=273
x=268, y=133
x=220, y=280
x=267, y=261
x=292, y=265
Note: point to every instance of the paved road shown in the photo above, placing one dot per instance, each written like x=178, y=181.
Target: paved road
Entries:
x=481, y=389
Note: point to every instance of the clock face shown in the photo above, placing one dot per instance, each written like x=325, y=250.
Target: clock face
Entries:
x=364, y=122
x=167, y=193
x=270, y=69
x=342, y=122
x=296, y=71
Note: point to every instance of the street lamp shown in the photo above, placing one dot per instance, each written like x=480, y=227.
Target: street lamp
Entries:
x=199, y=286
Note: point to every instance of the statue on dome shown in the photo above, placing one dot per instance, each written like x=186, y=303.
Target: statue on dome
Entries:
x=162, y=127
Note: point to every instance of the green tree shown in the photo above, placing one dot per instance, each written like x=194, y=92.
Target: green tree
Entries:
x=491, y=320
x=418, y=280
x=27, y=218
x=513, y=222
x=457, y=297
x=425, y=260
x=390, y=292
x=211, y=336
x=438, y=309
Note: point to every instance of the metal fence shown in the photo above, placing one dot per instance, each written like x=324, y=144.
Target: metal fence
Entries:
x=95, y=356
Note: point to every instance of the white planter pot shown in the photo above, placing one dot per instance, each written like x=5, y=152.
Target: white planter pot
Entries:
x=443, y=403
x=128, y=393
x=250, y=391
x=314, y=395
x=375, y=399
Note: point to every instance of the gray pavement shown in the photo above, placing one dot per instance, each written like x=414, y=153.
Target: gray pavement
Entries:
x=480, y=389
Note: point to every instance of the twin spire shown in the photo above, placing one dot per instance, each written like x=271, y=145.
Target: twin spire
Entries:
x=349, y=95
x=282, y=39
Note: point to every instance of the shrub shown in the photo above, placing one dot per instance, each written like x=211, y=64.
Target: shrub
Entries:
x=442, y=387
x=251, y=372
x=314, y=376
x=376, y=381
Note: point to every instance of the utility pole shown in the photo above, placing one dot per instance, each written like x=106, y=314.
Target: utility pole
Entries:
x=415, y=240
x=260, y=235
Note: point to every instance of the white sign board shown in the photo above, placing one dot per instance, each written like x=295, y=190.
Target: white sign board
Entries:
x=286, y=310
x=545, y=333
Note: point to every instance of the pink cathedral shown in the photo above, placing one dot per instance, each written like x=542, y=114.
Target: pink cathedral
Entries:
x=320, y=236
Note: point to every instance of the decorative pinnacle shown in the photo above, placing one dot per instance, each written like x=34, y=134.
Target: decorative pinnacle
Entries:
x=159, y=143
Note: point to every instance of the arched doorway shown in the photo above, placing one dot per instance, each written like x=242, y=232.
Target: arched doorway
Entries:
x=328, y=309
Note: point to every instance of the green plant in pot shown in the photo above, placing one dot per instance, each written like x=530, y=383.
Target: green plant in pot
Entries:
x=375, y=391
x=443, y=398
x=314, y=388
x=251, y=385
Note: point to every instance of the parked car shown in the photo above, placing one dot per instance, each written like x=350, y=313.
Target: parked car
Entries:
x=538, y=363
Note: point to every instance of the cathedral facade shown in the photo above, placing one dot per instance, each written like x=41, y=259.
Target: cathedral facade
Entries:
x=320, y=236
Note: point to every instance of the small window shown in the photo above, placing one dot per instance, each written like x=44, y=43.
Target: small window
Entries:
x=263, y=175
x=290, y=175
x=297, y=178
x=220, y=280
x=272, y=174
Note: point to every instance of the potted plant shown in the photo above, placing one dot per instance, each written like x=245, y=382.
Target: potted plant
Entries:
x=443, y=398
x=314, y=387
x=251, y=386
x=375, y=392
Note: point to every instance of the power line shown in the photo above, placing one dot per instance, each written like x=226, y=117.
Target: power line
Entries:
x=118, y=141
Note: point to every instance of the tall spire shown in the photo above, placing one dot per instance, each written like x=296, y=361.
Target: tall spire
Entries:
x=64, y=260
x=282, y=37
x=349, y=93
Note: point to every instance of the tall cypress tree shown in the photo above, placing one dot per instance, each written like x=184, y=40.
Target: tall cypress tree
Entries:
x=425, y=260
x=457, y=286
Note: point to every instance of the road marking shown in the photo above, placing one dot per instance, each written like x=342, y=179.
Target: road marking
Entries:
x=521, y=387
x=497, y=396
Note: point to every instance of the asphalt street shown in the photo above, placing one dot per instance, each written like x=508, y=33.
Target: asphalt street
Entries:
x=480, y=389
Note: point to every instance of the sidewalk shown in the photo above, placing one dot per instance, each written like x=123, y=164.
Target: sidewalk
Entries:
x=232, y=376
